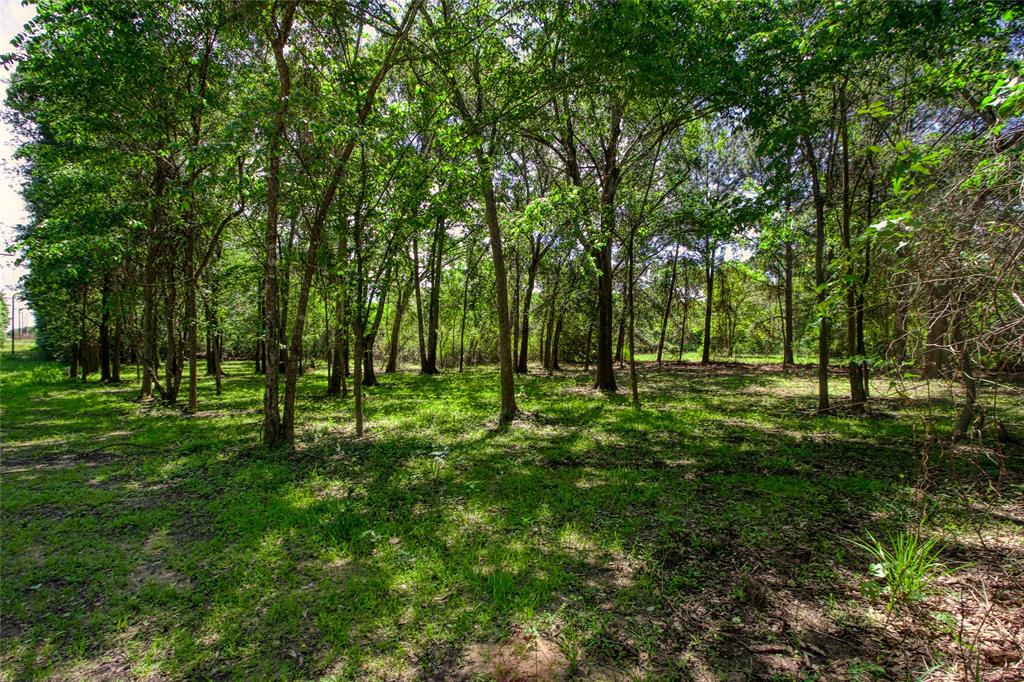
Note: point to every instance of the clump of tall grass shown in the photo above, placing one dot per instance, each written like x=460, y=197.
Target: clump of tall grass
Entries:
x=905, y=565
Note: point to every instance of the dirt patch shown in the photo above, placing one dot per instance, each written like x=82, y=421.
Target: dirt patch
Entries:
x=524, y=658
x=154, y=572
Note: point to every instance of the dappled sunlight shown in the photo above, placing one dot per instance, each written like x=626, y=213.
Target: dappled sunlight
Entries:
x=701, y=535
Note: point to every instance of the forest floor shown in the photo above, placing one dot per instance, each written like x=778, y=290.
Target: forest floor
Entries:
x=708, y=535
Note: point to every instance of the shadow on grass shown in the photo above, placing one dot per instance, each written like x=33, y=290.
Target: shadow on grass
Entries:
x=704, y=532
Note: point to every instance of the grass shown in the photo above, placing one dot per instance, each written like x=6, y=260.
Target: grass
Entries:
x=906, y=564
x=586, y=539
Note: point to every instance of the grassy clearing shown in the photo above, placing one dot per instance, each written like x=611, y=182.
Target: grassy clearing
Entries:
x=707, y=535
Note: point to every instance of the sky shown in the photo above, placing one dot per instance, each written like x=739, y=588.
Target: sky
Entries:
x=13, y=16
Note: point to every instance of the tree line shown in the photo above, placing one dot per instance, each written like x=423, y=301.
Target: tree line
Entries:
x=358, y=184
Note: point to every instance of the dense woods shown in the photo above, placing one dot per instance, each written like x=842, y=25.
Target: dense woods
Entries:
x=318, y=183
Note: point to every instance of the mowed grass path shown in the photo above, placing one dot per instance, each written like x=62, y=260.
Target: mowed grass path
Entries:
x=705, y=535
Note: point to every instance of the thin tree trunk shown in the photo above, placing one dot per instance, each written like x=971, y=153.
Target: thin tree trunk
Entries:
x=549, y=335
x=634, y=387
x=357, y=379
x=434, y=302
x=787, y=342
x=586, y=351
x=620, y=344
x=686, y=311
x=396, y=328
x=857, y=398
x=82, y=342
x=709, y=279
x=338, y=385
x=150, y=381
x=555, y=342
x=531, y=279
x=668, y=304
x=465, y=305
x=191, y=320
x=419, y=304
x=819, y=275
x=105, y=329
x=968, y=411
x=260, y=362
x=115, y=354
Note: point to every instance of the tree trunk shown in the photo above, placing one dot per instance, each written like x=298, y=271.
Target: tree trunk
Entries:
x=819, y=275
x=419, y=304
x=272, y=435
x=105, y=375
x=150, y=380
x=82, y=341
x=605, y=375
x=357, y=379
x=174, y=366
x=337, y=384
x=531, y=279
x=620, y=344
x=787, y=341
x=115, y=352
x=968, y=411
x=508, y=390
x=396, y=328
x=434, y=302
x=709, y=279
x=555, y=342
x=586, y=351
x=938, y=326
x=370, y=333
x=260, y=361
x=191, y=320
x=470, y=269
x=668, y=304
x=686, y=311
x=549, y=333
x=634, y=387
x=76, y=352
x=857, y=398
x=604, y=369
